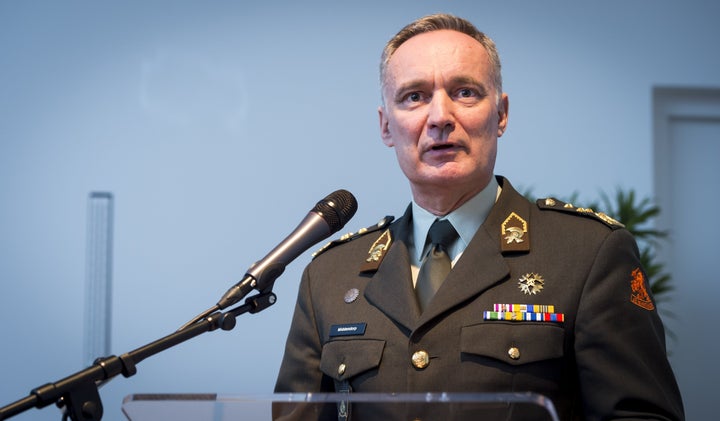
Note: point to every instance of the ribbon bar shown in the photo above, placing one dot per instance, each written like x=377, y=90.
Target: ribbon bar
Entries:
x=529, y=308
x=520, y=316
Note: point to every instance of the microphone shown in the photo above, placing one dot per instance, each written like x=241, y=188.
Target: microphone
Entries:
x=327, y=217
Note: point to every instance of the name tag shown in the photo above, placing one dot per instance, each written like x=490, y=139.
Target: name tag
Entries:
x=351, y=329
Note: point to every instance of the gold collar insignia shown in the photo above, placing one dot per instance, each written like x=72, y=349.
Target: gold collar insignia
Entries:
x=514, y=234
x=377, y=252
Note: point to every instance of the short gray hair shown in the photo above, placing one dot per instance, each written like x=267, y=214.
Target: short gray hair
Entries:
x=439, y=22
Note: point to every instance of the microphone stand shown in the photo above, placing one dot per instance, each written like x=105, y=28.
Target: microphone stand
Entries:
x=78, y=393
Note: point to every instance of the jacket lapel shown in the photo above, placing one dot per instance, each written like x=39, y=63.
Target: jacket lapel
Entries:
x=480, y=267
x=482, y=264
x=391, y=289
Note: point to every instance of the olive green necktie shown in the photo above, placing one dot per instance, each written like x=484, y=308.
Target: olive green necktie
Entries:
x=436, y=265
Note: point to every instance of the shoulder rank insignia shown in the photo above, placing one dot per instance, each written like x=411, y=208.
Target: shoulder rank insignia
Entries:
x=555, y=204
x=514, y=234
x=353, y=235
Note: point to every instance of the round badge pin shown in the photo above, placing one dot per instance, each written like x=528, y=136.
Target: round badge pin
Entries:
x=351, y=295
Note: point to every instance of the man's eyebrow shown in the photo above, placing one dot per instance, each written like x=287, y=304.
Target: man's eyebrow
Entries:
x=409, y=86
x=468, y=80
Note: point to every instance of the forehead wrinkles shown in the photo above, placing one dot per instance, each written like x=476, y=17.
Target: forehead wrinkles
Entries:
x=447, y=55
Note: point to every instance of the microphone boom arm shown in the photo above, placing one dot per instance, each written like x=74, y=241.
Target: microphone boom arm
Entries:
x=78, y=393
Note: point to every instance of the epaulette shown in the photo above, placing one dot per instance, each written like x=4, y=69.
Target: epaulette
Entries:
x=558, y=205
x=384, y=222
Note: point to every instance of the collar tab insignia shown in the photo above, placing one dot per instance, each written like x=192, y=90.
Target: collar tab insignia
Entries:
x=514, y=234
x=377, y=251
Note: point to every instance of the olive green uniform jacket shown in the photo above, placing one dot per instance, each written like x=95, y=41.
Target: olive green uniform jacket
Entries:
x=357, y=321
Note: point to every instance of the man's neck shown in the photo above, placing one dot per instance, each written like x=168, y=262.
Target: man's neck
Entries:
x=441, y=200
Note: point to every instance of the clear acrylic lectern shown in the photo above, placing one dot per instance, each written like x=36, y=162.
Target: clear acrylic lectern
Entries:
x=338, y=406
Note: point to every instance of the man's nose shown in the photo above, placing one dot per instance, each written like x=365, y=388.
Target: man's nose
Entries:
x=440, y=115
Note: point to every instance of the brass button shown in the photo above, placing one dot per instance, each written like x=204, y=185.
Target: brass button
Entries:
x=341, y=369
x=420, y=359
x=514, y=353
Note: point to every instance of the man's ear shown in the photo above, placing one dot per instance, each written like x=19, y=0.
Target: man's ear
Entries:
x=503, y=110
x=384, y=127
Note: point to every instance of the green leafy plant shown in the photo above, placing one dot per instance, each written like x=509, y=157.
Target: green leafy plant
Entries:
x=637, y=214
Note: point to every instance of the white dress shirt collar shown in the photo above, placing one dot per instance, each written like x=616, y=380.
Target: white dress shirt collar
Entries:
x=466, y=220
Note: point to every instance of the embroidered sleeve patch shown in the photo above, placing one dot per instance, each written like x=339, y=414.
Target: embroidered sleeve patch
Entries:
x=639, y=295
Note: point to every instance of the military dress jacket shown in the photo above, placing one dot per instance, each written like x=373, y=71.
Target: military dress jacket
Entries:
x=589, y=336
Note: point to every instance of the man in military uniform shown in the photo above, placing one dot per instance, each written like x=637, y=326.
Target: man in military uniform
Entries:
x=540, y=297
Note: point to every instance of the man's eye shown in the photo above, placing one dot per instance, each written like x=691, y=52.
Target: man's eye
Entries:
x=414, y=97
x=466, y=93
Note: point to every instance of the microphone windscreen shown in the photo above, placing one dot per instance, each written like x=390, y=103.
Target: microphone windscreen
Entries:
x=337, y=209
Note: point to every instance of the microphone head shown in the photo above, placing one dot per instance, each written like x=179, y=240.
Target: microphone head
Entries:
x=337, y=209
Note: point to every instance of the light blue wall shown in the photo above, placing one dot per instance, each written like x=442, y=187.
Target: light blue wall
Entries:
x=218, y=125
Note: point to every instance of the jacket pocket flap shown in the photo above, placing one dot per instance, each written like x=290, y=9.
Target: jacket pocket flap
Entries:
x=344, y=359
x=513, y=343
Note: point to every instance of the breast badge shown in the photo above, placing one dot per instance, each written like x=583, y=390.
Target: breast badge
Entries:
x=351, y=295
x=531, y=283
